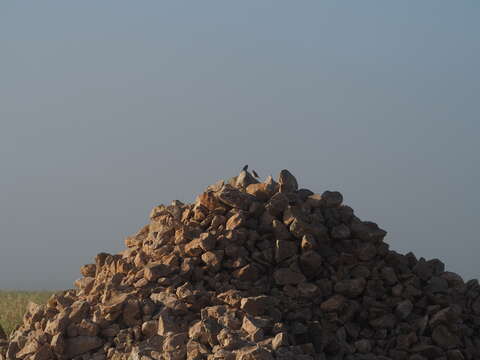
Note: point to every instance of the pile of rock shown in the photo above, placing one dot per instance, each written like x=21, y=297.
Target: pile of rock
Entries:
x=256, y=270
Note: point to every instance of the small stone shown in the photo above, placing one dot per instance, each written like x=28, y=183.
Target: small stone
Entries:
x=208, y=200
x=254, y=305
x=340, y=232
x=444, y=338
x=286, y=276
x=287, y=181
x=81, y=345
x=384, y=322
x=262, y=191
x=455, y=355
x=404, y=309
x=245, y=179
x=281, y=339
x=247, y=273
x=351, y=287
x=284, y=249
x=334, y=303
x=389, y=275
x=206, y=241
x=58, y=344
x=236, y=221
x=311, y=263
x=277, y=204
x=235, y=198
x=131, y=312
x=253, y=353
x=175, y=342
x=156, y=270
x=88, y=270
x=308, y=242
x=149, y=328
x=307, y=290
x=367, y=252
x=363, y=346
x=280, y=230
x=332, y=198
x=212, y=259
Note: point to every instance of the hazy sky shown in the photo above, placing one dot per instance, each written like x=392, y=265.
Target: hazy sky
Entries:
x=108, y=108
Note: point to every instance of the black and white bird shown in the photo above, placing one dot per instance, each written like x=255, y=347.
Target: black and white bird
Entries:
x=245, y=168
x=255, y=173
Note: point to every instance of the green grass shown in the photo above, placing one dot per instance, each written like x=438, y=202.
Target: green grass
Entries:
x=13, y=305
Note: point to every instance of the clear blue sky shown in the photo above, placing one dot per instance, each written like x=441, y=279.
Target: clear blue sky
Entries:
x=108, y=108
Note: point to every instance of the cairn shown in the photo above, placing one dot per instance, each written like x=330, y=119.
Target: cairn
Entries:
x=256, y=270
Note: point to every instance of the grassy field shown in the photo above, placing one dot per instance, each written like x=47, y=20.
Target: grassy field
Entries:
x=13, y=304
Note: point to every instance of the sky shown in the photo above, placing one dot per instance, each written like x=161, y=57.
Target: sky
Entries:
x=109, y=108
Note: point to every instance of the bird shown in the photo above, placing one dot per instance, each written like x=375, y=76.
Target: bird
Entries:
x=255, y=173
x=245, y=168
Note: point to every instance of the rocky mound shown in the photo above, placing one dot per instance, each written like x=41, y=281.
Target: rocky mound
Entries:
x=256, y=271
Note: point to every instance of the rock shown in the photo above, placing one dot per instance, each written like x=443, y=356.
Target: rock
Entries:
x=255, y=305
x=238, y=220
x=284, y=249
x=340, y=232
x=455, y=355
x=58, y=344
x=262, y=191
x=31, y=347
x=307, y=290
x=286, y=276
x=444, y=338
x=332, y=198
x=253, y=353
x=34, y=313
x=334, y=303
x=88, y=270
x=149, y=328
x=404, y=309
x=277, y=204
x=367, y=252
x=247, y=273
x=208, y=200
x=212, y=259
x=280, y=230
x=154, y=271
x=131, y=312
x=81, y=345
x=384, y=322
x=351, y=287
x=166, y=322
x=281, y=339
x=311, y=263
x=175, y=342
x=363, y=346
x=235, y=198
x=287, y=181
x=244, y=179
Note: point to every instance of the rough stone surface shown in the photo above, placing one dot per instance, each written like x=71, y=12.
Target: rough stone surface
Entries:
x=255, y=270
